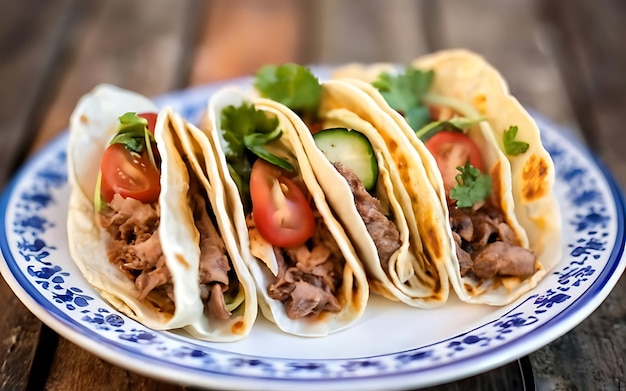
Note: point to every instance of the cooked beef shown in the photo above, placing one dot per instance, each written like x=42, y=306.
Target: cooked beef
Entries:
x=214, y=263
x=383, y=231
x=135, y=246
x=309, y=276
x=501, y=258
x=486, y=245
x=217, y=304
x=465, y=260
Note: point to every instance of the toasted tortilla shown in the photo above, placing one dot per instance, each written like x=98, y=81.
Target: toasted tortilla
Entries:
x=523, y=182
x=92, y=125
x=259, y=255
x=417, y=273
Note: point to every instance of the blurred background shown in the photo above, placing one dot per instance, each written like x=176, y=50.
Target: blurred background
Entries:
x=562, y=58
x=565, y=60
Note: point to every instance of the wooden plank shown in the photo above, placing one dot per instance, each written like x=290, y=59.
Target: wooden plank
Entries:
x=368, y=31
x=587, y=38
x=125, y=45
x=241, y=36
x=30, y=36
x=76, y=369
x=20, y=334
x=28, y=57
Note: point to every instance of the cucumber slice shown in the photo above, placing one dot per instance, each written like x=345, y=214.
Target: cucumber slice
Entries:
x=353, y=150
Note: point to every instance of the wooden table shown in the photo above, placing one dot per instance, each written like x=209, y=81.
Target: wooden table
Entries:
x=565, y=59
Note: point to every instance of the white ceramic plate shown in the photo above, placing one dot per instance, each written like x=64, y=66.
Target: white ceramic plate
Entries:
x=392, y=346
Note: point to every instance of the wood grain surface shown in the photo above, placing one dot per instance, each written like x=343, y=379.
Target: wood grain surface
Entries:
x=565, y=60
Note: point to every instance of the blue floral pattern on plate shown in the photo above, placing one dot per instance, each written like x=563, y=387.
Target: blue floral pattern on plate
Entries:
x=39, y=269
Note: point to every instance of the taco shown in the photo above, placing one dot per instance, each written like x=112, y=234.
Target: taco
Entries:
x=374, y=181
x=146, y=223
x=484, y=152
x=309, y=279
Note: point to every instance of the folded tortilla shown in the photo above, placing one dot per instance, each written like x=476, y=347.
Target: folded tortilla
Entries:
x=265, y=261
x=190, y=200
x=416, y=272
x=523, y=184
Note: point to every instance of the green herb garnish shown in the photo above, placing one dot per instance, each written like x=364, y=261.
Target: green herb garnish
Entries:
x=513, y=147
x=293, y=85
x=472, y=186
x=248, y=128
x=405, y=93
x=246, y=132
x=133, y=133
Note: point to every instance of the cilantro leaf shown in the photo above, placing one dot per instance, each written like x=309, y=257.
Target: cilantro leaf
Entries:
x=246, y=128
x=511, y=146
x=293, y=85
x=246, y=131
x=132, y=132
x=405, y=92
x=472, y=186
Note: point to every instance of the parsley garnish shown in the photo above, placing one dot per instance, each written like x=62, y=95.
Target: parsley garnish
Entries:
x=405, y=92
x=511, y=146
x=472, y=186
x=293, y=85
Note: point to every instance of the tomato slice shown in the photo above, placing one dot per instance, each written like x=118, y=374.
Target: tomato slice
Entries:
x=451, y=150
x=129, y=175
x=151, y=118
x=280, y=209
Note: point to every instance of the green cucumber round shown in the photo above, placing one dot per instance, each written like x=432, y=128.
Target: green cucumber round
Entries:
x=353, y=150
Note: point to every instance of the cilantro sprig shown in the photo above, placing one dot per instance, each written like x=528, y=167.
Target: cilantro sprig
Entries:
x=512, y=146
x=405, y=93
x=293, y=85
x=132, y=133
x=472, y=186
x=246, y=132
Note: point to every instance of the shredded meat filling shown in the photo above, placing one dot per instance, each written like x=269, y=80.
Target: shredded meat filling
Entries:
x=309, y=276
x=383, y=231
x=486, y=245
x=214, y=263
x=135, y=248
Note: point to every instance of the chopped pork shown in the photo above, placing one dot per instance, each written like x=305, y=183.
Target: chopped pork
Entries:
x=486, y=245
x=214, y=263
x=383, y=231
x=136, y=249
x=309, y=276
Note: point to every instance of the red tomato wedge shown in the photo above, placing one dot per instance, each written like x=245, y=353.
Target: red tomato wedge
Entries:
x=451, y=150
x=280, y=209
x=151, y=118
x=129, y=175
